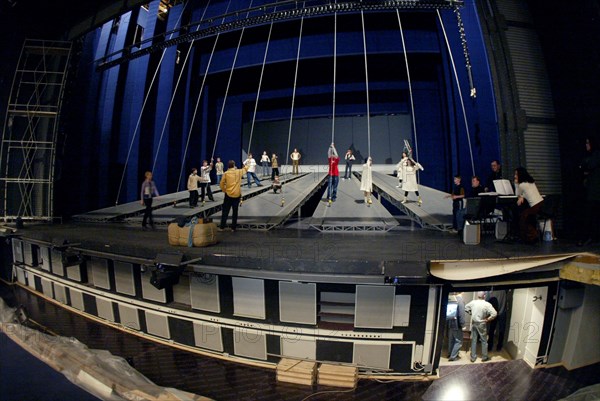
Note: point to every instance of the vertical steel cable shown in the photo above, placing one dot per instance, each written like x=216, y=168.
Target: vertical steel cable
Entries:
x=137, y=125
x=462, y=103
x=294, y=90
x=362, y=17
x=412, y=102
x=187, y=143
x=334, y=74
x=262, y=71
x=183, y=67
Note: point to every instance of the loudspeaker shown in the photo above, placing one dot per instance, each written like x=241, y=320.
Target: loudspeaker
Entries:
x=471, y=234
x=164, y=277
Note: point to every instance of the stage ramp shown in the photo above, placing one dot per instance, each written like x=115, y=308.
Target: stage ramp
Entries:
x=269, y=210
x=350, y=213
x=435, y=212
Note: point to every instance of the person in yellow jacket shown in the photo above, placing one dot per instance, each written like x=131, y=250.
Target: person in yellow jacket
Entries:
x=231, y=186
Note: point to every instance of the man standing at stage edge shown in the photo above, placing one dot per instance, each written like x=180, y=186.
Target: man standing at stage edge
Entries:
x=334, y=173
x=482, y=312
x=231, y=186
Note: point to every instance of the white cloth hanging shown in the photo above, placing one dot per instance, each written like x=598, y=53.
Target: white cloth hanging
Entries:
x=366, y=179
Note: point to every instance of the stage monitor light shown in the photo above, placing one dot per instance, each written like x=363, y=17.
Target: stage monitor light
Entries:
x=167, y=270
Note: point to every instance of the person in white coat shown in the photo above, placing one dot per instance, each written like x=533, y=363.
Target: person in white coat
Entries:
x=366, y=181
x=409, y=183
x=401, y=169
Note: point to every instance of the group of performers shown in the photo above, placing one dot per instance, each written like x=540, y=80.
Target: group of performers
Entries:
x=406, y=169
x=528, y=203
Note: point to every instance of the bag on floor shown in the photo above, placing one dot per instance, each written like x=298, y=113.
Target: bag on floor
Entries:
x=194, y=234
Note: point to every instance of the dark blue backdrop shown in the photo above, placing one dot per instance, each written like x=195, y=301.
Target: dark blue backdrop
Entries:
x=174, y=133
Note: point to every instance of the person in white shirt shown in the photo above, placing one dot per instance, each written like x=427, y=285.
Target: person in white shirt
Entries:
x=205, y=181
x=251, y=173
x=401, y=169
x=529, y=203
x=295, y=156
x=482, y=312
x=366, y=181
x=264, y=161
x=192, y=186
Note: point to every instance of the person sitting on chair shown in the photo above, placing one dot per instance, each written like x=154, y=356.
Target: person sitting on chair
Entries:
x=529, y=203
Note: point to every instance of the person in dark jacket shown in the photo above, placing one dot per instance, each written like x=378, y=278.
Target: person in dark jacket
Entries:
x=455, y=329
x=590, y=167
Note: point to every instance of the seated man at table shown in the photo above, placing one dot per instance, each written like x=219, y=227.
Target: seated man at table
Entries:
x=464, y=213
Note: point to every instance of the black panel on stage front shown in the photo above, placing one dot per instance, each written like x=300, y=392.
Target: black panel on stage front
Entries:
x=400, y=358
x=182, y=331
x=227, y=335
x=89, y=304
x=337, y=351
x=273, y=347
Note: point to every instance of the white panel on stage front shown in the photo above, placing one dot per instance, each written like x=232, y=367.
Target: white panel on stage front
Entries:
x=151, y=292
x=157, y=324
x=21, y=277
x=17, y=248
x=204, y=292
x=298, y=302
x=250, y=343
x=47, y=288
x=208, y=336
x=28, y=254
x=45, y=254
x=402, y=310
x=100, y=277
x=372, y=355
x=56, y=262
x=181, y=291
x=124, y=277
x=129, y=316
x=105, y=309
x=297, y=348
x=374, y=306
x=60, y=293
x=76, y=299
x=248, y=297
x=31, y=280
x=73, y=272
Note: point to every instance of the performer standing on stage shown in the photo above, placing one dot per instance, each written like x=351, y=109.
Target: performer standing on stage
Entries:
x=401, y=169
x=251, y=164
x=274, y=166
x=264, y=161
x=219, y=168
x=231, y=187
x=192, y=186
x=366, y=181
x=409, y=183
x=147, y=193
x=349, y=158
x=334, y=174
x=457, y=195
x=295, y=156
x=205, y=180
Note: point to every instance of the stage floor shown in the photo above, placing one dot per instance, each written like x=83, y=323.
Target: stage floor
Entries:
x=405, y=251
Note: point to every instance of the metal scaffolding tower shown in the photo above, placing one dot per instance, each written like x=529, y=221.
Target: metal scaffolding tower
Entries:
x=30, y=131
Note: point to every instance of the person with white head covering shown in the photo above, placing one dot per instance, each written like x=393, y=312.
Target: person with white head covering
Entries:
x=482, y=312
x=366, y=181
